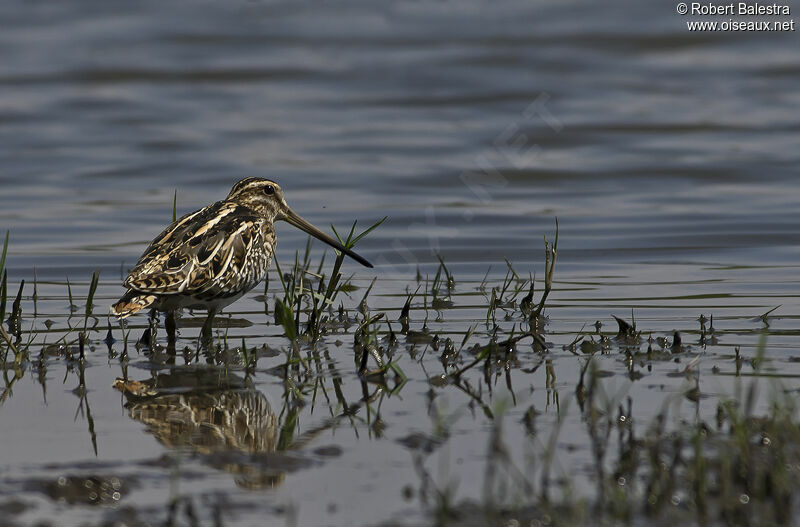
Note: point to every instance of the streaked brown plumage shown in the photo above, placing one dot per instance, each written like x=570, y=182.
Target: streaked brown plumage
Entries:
x=211, y=257
x=212, y=416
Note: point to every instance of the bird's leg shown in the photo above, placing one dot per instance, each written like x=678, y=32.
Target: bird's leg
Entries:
x=205, y=333
x=152, y=328
x=170, y=325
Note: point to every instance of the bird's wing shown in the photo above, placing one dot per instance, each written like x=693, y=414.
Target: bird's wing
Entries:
x=205, y=251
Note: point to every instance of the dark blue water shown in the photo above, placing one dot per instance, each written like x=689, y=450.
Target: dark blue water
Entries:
x=669, y=158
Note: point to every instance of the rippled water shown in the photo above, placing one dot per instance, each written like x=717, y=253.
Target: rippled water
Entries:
x=668, y=157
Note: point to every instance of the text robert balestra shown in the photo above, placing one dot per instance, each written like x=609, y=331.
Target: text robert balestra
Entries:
x=740, y=8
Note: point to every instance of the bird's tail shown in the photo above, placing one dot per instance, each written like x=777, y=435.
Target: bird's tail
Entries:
x=131, y=302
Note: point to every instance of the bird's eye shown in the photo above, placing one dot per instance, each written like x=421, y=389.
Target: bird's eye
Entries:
x=269, y=190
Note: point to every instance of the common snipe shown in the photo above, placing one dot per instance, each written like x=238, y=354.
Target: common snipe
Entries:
x=211, y=257
x=215, y=417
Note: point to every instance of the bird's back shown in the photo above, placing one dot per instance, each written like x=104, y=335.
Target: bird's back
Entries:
x=217, y=251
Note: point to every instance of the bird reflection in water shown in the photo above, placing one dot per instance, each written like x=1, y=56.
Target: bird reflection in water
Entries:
x=215, y=416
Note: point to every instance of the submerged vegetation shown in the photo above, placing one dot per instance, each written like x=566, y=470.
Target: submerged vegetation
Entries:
x=738, y=469
x=739, y=465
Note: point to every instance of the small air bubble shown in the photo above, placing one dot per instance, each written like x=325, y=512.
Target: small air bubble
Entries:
x=744, y=499
x=621, y=481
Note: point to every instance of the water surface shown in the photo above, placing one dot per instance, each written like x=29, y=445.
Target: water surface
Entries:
x=668, y=157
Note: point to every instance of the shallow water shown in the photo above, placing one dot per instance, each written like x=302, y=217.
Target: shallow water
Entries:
x=668, y=157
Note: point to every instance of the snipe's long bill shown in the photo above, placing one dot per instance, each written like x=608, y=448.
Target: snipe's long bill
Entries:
x=211, y=257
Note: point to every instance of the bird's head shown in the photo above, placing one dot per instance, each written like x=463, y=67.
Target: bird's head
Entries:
x=265, y=197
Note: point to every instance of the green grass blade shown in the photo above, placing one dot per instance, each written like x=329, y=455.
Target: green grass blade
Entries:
x=5, y=251
x=3, y=296
x=367, y=231
x=280, y=275
x=35, y=293
x=92, y=289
